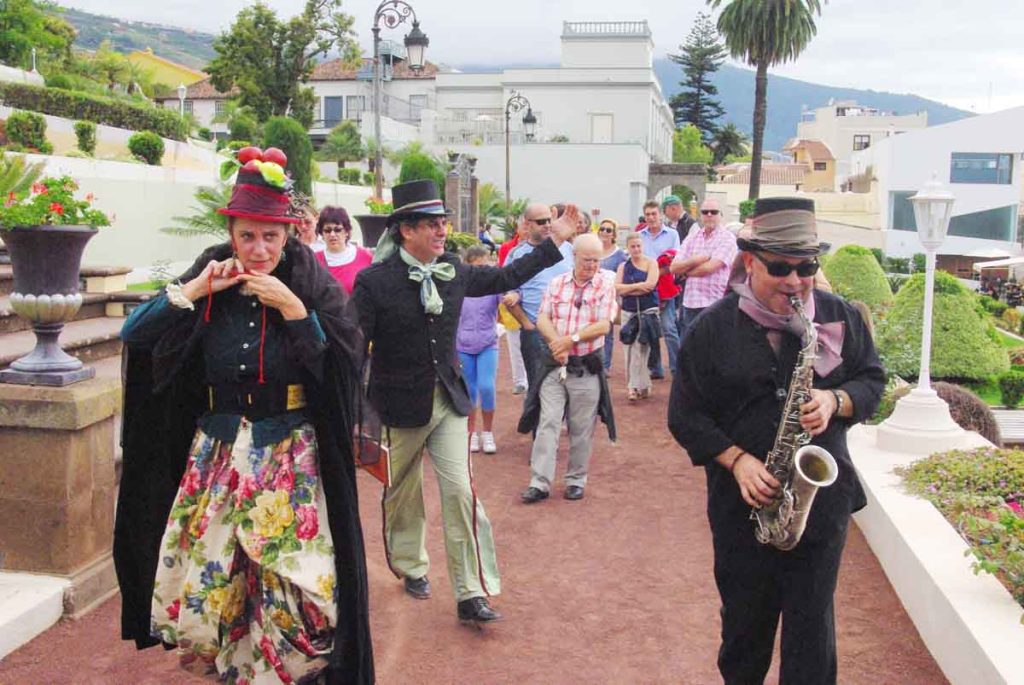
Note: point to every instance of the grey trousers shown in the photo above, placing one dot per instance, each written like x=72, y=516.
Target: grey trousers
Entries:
x=582, y=394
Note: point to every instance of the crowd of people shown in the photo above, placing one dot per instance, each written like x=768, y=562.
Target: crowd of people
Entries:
x=238, y=538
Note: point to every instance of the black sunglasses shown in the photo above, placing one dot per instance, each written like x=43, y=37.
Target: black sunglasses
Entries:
x=709, y=211
x=333, y=229
x=606, y=230
x=783, y=269
x=541, y=222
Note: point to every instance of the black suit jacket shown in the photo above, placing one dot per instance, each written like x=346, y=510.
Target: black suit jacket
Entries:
x=413, y=349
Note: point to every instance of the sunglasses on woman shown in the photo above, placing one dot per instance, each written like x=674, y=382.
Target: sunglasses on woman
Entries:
x=783, y=269
x=333, y=229
x=605, y=229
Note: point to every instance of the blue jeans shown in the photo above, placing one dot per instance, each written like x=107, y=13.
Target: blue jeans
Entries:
x=671, y=332
x=686, y=317
x=480, y=371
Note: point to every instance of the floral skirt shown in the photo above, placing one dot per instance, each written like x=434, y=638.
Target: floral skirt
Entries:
x=246, y=582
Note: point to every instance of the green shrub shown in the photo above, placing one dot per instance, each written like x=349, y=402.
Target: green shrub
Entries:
x=85, y=132
x=856, y=275
x=1011, y=388
x=747, y=209
x=368, y=178
x=418, y=166
x=349, y=176
x=962, y=346
x=96, y=108
x=236, y=145
x=896, y=281
x=204, y=133
x=992, y=306
x=919, y=261
x=289, y=135
x=148, y=146
x=879, y=256
x=243, y=127
x=980, y=493
x=28, y=129
x=60, y=80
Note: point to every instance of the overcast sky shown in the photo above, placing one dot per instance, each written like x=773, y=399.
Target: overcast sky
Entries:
x=966, y=54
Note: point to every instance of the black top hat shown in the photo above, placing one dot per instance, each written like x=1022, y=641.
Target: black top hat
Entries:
x=785, y=226
x=416, y=197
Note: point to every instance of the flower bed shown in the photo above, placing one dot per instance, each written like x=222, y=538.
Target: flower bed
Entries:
x=981, y=493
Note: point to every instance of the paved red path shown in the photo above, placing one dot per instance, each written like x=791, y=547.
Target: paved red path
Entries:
x=616, y=588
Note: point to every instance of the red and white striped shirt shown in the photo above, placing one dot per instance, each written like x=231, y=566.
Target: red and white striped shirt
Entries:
x=571, y=307
x=704, y=291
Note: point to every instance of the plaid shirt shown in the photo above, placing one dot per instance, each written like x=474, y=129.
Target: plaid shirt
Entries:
x=704, y=291
x=572, y=307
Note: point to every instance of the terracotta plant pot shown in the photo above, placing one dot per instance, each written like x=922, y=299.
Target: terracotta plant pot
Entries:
x=46, y=261
x=372, y=227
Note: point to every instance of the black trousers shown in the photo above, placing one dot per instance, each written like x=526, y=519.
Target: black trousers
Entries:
x=758, y=584
x=530, y=345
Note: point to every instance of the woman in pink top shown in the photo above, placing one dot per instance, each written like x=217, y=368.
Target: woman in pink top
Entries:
x=342, y=258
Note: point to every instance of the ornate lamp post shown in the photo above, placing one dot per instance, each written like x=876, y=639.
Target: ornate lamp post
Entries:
x=181, y=99
x=514, y=105
x=921, y=422
x=392, y=13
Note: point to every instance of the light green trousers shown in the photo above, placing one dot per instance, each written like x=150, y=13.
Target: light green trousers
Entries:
x=469, y=542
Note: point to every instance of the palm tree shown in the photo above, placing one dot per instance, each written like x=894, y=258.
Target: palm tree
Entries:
x=343, y=144
x=17, y=176
x=728, y=140
x=206, y=220
x=765, y=33
x=491, y=203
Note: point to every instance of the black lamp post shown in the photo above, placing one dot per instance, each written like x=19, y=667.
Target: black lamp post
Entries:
x=392, y=13
x=514, y=105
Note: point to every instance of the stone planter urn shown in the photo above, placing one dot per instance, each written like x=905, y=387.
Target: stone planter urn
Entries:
x=372, y=227
x=46, y=262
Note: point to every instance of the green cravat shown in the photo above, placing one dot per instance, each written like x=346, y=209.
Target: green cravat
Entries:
x=424, y=274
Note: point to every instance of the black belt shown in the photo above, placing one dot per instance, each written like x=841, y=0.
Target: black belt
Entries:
x=256, y=401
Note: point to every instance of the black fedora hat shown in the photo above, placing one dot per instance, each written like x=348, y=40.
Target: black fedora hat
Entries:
x=785, y=226
x=416, y=198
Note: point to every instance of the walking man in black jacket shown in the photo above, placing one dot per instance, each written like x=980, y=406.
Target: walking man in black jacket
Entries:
x=409, y=303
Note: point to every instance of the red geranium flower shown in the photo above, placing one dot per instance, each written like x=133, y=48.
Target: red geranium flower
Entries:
x=57, y=207
x=39, y=189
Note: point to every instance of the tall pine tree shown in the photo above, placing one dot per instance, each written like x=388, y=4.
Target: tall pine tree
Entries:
x=700, y=57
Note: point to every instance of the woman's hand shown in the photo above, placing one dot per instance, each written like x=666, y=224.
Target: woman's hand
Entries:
x=273, y=293
x=217, y=276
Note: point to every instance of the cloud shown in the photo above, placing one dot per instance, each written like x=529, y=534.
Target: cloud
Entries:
x=952, y=52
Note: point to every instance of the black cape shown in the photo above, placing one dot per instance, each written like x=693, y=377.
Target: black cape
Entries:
x=163, y=398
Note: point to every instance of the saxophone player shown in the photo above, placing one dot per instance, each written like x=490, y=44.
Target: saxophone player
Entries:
x=726, y=410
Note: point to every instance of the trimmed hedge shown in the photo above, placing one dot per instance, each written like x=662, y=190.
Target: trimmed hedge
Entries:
x=148, y=146
x=349, y=176
x=85, y=132
x=964, y=344
x=418, y=167
x=855, y=274
x=28, y=129
x=101, y=110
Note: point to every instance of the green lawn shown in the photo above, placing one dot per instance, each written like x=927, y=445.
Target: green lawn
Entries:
x=1009, y=341
x=988, y=391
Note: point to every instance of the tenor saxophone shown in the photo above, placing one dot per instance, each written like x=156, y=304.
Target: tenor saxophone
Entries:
x=800, y=468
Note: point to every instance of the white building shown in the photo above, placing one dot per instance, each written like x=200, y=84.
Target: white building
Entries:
x=847, y=127
x=602, y=118
x=978, y=159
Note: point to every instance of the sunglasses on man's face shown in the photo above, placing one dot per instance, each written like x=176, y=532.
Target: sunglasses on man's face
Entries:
x=712, y=212
x=784, y=269
x=606, y=230
x=541, y=222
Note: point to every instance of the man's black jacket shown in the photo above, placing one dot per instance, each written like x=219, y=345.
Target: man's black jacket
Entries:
x=411, y=349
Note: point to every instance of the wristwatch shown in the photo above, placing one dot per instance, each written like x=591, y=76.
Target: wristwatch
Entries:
x=840, y=401
x=575, y=337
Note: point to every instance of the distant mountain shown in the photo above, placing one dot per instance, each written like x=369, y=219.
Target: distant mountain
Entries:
x=190, y=48
x=787, y=97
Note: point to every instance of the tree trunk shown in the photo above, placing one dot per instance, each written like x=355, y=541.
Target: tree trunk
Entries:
x=760, y=115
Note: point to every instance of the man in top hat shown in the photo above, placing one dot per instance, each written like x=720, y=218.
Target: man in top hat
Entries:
x=409, y=303
x=735, y=367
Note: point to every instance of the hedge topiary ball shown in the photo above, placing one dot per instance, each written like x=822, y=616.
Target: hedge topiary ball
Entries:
x=855, y=274
x=964, y=344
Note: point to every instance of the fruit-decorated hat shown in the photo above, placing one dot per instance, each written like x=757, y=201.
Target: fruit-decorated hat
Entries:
x=262, y=191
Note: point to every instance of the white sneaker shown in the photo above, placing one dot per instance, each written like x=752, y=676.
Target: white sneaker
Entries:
x=489, y=446
x=474, y=442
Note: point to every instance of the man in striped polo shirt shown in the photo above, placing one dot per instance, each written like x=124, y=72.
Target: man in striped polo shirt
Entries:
x=704, y=260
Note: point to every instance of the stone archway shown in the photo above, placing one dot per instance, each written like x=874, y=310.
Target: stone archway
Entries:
x=692, y=175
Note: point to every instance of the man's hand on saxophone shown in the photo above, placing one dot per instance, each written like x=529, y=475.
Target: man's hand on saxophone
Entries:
x=816, y=413
x=757, y=486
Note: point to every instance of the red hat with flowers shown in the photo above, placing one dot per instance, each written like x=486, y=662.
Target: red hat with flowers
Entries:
x=262, y=190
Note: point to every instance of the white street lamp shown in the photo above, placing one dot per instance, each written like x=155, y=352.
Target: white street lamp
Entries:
x=920, y=422
x=181, y=99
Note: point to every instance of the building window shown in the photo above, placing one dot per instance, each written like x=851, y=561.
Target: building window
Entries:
x=218, y=107
x=861, y=142
x=188, y=106
x=998, y=223
x=417, y=103
x=332, y=111
x=355, y=105
x=821, y=166
x=980, y=167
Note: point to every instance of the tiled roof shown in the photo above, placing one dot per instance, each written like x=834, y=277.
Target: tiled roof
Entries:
x=337, y=70
x=817, y=150
x=200, y=90
x=771, y=174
